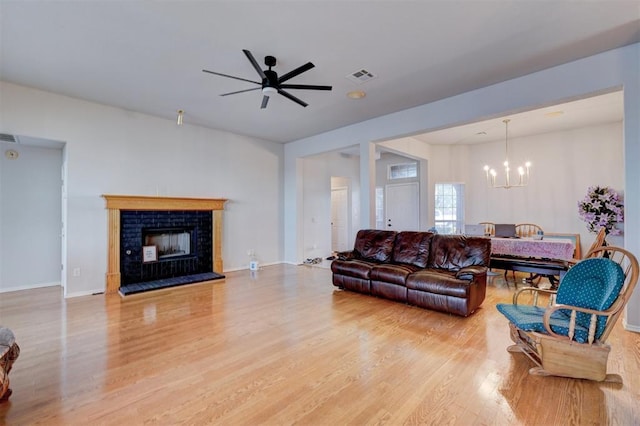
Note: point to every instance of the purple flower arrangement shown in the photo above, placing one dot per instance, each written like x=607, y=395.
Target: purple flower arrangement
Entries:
x=601, y=208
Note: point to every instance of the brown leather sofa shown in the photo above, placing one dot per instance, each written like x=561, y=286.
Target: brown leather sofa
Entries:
x=446, y=273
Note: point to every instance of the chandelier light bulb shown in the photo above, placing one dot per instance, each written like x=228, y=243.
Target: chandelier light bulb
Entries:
x=523, y=172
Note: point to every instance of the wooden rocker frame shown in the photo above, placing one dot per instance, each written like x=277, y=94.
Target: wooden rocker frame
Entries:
x=559, y=355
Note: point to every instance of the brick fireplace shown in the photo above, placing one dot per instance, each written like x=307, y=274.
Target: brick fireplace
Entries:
x=185, y=234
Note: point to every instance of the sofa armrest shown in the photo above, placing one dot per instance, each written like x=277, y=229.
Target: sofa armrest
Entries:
x=470, y=272
x=345, y=255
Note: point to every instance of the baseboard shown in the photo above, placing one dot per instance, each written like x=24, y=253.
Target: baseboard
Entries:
x=261, y=265
x=84, y=293
x=29, y=287
x=630, y=327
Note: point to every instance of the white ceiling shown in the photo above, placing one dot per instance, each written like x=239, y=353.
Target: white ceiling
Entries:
x=601, y=109
x=148, y=56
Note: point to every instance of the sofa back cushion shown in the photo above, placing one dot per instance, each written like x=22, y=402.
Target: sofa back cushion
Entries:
x=412, y=248
x=374, y=245
x=454, y=252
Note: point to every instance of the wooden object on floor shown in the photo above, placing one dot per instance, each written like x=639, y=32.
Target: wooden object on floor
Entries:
x=600, y=240
x=9, y=352
x=561, y=355
x=116, y=203
x=284, y=346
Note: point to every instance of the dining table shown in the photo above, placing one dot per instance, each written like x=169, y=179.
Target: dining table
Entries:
x=545, y=248
x=548, y=257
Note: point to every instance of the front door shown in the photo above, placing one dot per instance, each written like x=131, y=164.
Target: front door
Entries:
x=402, y=211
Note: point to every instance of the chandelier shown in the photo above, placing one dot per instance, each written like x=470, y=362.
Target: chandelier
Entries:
x=523, y=172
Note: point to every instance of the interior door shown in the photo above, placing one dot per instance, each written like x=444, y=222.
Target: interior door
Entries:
x=339, y=218
x=402, y=211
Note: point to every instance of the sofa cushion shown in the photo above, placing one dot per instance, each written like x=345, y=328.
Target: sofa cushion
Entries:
x=438, y=282
x=390, y=273
x=352, y=268
x=454, y=252
x=412, y=248
x=374, y=245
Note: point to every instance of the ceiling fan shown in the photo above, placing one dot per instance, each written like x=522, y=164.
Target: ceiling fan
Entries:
x=271, y=83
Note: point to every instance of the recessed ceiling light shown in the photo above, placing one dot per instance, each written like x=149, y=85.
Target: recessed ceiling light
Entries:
x=11, y=154
x=554, y=114
x=356, y=94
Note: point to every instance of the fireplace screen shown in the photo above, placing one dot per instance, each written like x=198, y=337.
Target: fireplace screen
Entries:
x=171, y=242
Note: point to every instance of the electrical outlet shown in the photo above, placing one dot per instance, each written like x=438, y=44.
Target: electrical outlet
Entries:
x=76, y=272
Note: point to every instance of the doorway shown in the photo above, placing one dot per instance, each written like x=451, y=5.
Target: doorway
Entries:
x=339, y=218
x=32, y=214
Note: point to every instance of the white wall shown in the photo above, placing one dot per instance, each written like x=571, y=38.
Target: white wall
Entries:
x=565, y=164
x=30, y=217
x=318, y=172
x=618, y=68
x=114, y=151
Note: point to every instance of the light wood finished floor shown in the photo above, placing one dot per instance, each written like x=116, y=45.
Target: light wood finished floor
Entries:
x=283, y=346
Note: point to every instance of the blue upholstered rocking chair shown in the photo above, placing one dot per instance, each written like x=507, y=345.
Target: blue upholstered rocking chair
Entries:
x=568, y=337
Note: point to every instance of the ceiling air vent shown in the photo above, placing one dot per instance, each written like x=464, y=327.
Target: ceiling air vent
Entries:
x=361, y=76
x=5, y=137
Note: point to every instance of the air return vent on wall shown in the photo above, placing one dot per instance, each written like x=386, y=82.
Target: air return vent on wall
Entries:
x=361, y=76
x=5, y=137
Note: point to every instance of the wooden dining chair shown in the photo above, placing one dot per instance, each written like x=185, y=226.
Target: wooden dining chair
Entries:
x=527, y=229
x=489, y=228
x=569, y=336
x=524, y=230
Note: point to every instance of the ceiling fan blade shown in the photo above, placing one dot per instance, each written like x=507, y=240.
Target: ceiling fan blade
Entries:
x=241, y=91
x=293, y=98
x=231, y=76
x=304, y=86
x=299, y=70
x=254, y=63
x=265, y=101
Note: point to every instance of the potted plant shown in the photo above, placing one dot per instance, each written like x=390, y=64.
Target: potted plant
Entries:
x=602, y=207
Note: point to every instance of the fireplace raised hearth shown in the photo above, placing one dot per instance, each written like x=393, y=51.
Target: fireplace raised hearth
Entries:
x=184, y=233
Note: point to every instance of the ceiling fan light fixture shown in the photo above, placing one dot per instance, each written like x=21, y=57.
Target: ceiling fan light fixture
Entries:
x=271, y=83
x=268, y=91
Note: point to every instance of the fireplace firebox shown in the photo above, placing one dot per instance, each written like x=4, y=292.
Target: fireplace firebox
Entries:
x=170, y=242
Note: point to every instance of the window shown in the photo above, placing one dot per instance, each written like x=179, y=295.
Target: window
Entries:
x=403, y=171
x=449, y=208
